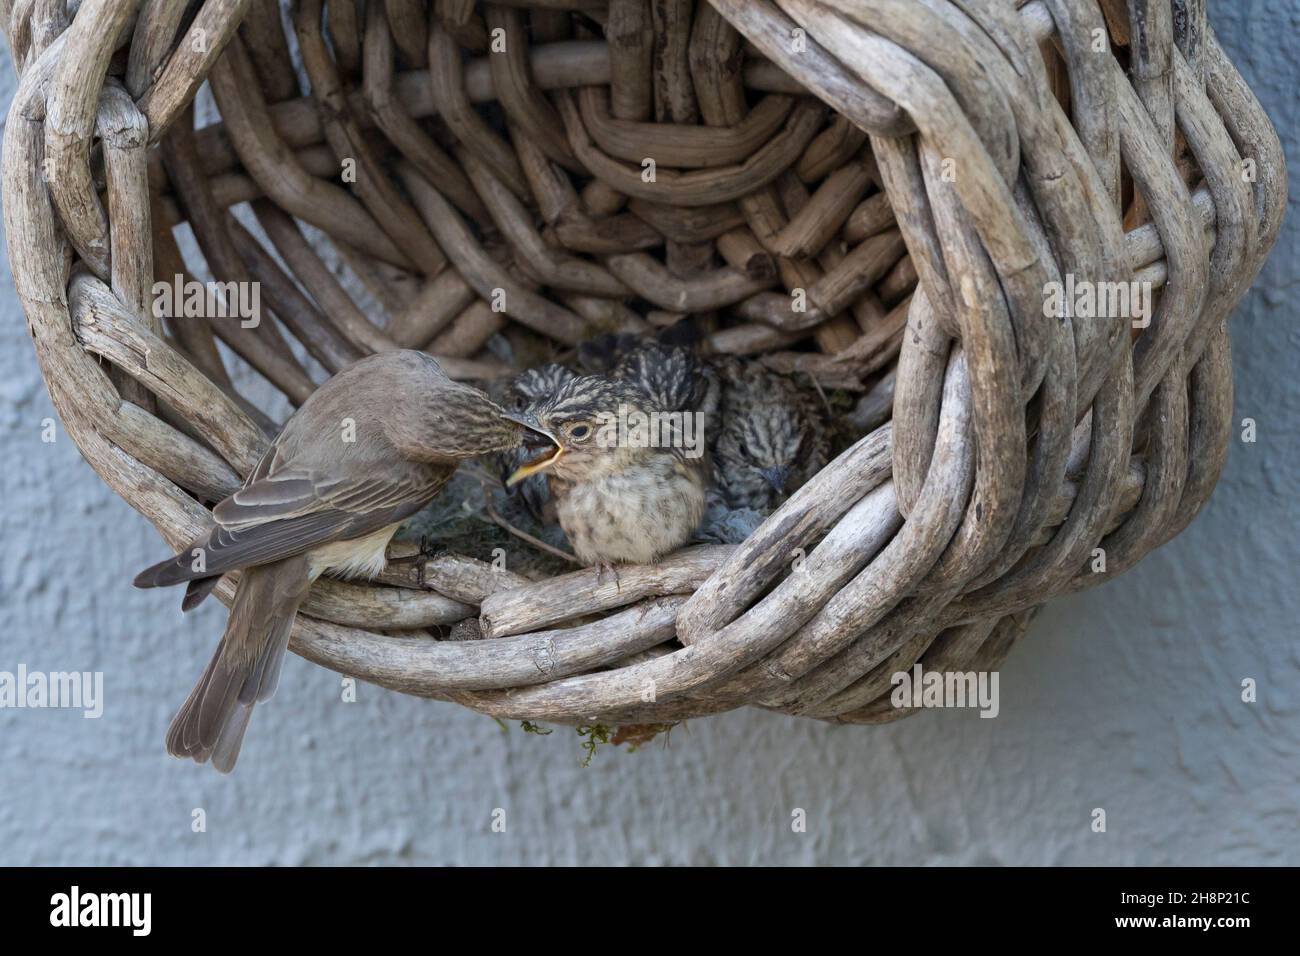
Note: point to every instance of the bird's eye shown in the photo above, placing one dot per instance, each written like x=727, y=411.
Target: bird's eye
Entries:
x=579, y=432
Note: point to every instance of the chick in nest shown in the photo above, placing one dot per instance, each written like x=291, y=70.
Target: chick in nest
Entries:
x=525, y=391
x=766, y=434
x=772, y=436
x=674, y=377
x=628, y=477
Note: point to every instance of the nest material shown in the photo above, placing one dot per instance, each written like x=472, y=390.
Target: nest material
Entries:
x=914, y=174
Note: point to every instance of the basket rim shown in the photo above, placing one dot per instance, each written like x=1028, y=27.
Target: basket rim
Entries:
x=955, y=564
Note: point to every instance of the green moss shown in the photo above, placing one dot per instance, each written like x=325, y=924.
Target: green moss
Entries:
x=593, y=736
x=529, y=727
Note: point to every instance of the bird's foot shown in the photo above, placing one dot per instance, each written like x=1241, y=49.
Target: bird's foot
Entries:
x=606, y=567
x=430, y=547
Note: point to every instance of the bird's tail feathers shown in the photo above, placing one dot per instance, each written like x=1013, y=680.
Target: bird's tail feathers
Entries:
x=245, y=670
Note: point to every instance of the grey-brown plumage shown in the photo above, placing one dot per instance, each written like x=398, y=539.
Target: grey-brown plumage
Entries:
x=621, y=496
x=372, y=446
x=672, y=376
x=772, y=436
x=537, y=384
x=525, y=391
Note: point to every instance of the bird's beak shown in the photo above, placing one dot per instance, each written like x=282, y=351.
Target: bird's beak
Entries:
x=536, y=437
x=776, y=477
x=520, y=418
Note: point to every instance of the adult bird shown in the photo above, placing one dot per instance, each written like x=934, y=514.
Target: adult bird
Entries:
x=368, y=449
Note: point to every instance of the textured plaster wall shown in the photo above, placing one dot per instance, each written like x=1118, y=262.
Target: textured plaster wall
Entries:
x=1125, y=698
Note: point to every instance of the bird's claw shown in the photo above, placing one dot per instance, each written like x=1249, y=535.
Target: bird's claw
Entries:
x=430, y=547
x=606, y=567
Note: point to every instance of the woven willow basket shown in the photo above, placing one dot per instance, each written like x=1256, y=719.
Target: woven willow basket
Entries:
x=922, y=171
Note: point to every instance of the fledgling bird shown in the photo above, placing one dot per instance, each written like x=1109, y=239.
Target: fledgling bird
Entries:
x=536, y=384
x=368, y=449
x=526, y=390
x=772, y=436
x=622, y=496
x=674, y=377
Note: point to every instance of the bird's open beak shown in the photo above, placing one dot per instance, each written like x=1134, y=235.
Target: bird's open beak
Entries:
x=535, y=437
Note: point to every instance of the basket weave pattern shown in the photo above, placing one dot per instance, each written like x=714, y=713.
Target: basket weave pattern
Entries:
x=922, y=171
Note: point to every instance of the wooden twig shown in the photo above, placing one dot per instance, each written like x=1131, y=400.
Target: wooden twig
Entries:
x=524, y=535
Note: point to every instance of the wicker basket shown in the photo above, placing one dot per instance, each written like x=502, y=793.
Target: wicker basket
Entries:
x=923, y=171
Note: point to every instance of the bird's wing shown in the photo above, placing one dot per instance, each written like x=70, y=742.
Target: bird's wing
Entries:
x=276, y=516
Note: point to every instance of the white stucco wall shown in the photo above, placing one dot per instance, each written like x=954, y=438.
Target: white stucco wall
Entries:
x=1126, y=698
